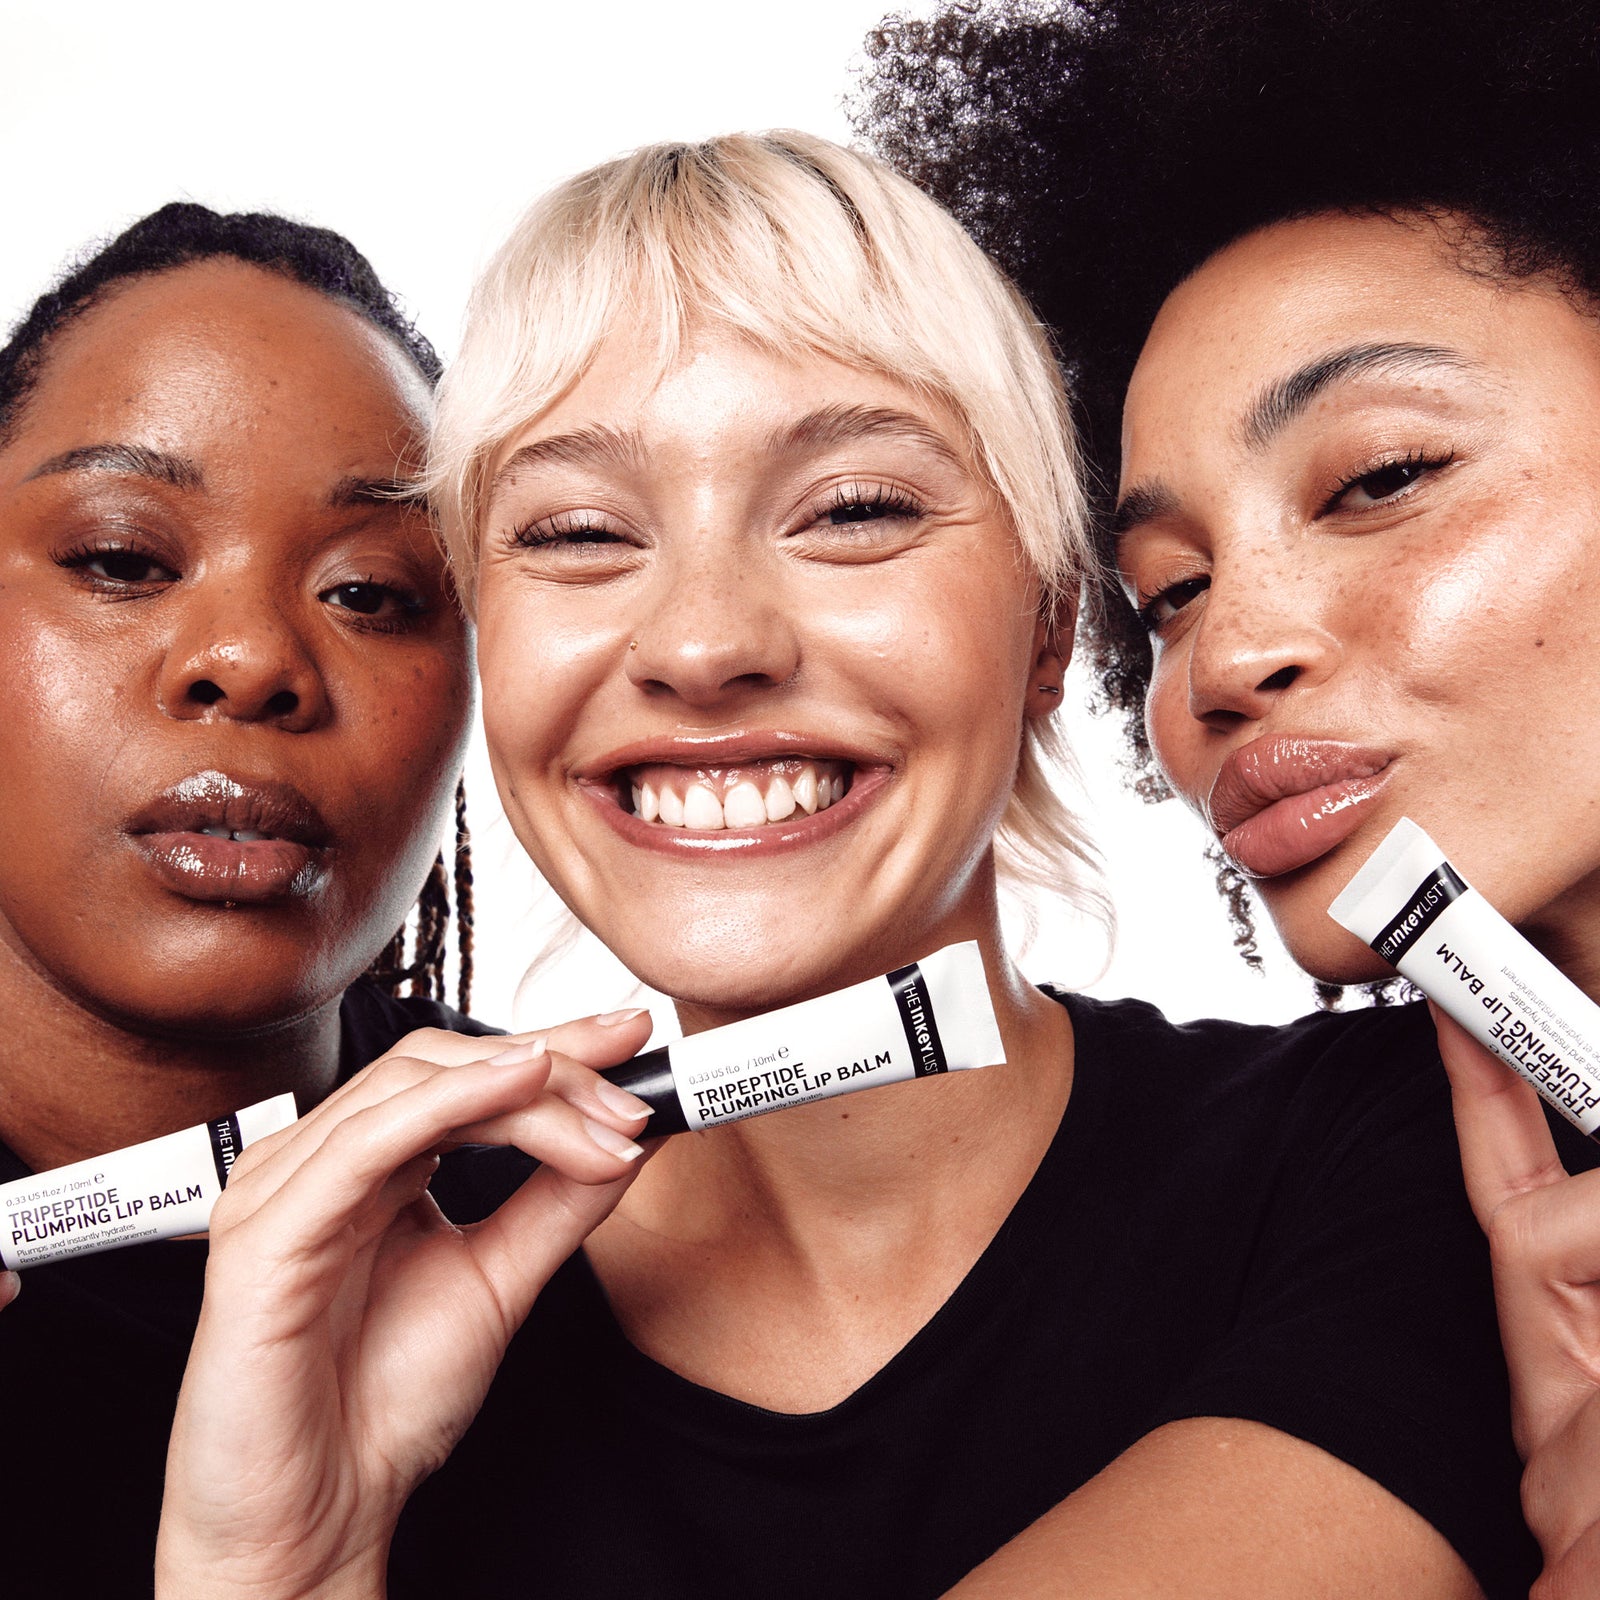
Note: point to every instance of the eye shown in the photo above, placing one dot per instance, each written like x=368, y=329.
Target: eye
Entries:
x=1162, y=607
x=1384, y=482
x=566, y=528
x=117, y=569
x=857, y=502
x=380, y=602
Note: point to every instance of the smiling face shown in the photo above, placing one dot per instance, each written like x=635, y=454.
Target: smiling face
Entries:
x=756, y=648
x=237, y=683
x=1361, y=512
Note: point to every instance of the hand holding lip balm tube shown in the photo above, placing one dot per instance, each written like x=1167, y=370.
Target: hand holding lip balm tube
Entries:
x=367, y=1329
x=1501, y=1008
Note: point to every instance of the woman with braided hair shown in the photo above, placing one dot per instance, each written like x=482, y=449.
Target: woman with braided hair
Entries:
x=238, y=697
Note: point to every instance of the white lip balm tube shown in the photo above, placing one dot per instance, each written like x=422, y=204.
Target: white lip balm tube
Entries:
x=156, y=1190
x=1428, y=923
x=933, y=1016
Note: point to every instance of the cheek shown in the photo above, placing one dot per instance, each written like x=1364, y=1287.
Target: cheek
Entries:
x=1173, y=733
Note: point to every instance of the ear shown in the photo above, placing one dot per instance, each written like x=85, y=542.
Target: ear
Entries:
x=1052, y=649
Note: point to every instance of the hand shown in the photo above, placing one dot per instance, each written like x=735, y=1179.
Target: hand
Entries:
x=10, y=1283
x=349, y=1332
x=1543, y=1228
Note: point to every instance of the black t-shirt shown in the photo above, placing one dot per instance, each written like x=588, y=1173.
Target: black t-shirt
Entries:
x=1231, y=1221
x=93, y=1350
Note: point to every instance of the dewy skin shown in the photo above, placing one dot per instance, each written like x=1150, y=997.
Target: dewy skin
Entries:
x=933, y=1016
x=155, y=1190
x=1422, y=917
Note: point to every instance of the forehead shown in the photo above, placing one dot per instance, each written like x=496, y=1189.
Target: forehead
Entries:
x=723, y=391
x=185, y=355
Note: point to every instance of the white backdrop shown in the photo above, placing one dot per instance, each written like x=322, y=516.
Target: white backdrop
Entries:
x=421, y=131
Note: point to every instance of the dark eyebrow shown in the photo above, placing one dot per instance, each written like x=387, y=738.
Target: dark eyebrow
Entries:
x=580, y=448
x=1142, y=503
x=830, y=426
x=358, y=491
x=1280, y=403
x=133, y=459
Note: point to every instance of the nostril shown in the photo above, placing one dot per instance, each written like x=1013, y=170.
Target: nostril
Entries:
x=205, y=692
x=282, y=703
x=1281, y=679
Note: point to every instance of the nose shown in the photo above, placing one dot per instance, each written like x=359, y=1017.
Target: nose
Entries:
x=1257, y=638
x=236, y=656
x=717, y=628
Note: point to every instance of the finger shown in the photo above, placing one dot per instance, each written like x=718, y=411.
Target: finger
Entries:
x=520, y=1246
x=1506, y=1145
x=10, y=1287
x=1561, y=1487
x=320, y=1201
x=580, y=1086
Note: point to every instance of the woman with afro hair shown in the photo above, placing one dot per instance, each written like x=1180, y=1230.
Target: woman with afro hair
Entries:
x=1326, y=280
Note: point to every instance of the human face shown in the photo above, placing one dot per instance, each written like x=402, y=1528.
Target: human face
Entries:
x=731, y=586
x=1360, y=502
x=215, y=623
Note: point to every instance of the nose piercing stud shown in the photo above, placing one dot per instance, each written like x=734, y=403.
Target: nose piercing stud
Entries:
x=633, y=644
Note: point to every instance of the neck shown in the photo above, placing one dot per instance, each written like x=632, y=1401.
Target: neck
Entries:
x=1567, y=932
x=817, y=1173
x=74, y=1084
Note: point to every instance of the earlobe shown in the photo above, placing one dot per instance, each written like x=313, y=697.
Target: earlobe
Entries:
x=1052, y=647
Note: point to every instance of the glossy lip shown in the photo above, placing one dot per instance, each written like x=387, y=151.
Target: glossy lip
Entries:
x=599, y=783
x=1280, y=803
x=197, y=866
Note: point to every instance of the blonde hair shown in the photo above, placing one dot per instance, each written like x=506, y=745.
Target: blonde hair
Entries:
x=803, y=247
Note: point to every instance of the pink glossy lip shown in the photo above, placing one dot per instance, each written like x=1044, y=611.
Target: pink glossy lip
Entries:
x=287, y=862
x=1278, y=803
x=601, y=783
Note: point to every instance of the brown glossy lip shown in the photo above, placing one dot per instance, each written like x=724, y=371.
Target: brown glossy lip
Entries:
x=214, y=799
x=1276, y=767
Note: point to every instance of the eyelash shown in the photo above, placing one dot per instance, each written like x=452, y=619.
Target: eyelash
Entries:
x=566, y=527
x=81, y=556
x=1422, y=460
x=882, y=500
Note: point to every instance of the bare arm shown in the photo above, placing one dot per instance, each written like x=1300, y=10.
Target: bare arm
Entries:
x=1216, y=1507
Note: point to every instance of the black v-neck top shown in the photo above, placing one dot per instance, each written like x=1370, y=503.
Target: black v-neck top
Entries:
x=1231, y=1221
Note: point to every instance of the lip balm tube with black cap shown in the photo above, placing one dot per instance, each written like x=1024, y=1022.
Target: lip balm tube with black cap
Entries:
x=932, y=1016
x=1428, y=923
x=156, y=1190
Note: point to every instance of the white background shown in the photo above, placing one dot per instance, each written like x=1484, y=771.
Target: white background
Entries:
x=421, y=131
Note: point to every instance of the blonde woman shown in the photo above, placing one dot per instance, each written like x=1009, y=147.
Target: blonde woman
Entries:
x=758, y=477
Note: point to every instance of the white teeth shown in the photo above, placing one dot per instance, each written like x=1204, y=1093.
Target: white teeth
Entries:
x=237, y=835
x=216, y=833
x=805, y=789
x=244, y=836
x=671, y=808
x=780, y=800
x=744, y=807
x=701, y=809
x=645, y=803
x=838, y=788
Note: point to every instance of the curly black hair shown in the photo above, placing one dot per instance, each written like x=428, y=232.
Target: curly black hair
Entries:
x=1101, y=150
x=176, y=236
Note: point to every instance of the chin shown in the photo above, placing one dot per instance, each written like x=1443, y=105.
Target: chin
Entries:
x=1322, y=948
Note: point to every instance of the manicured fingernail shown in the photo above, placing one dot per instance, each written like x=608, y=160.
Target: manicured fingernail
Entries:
x=620, y=1101
x=612, y=1142
x=528, y=1050
x=613, y=1019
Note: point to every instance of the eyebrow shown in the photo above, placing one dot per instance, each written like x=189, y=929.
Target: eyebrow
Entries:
x=598, y=445
x=358, y=491
x=1280, y=403
x=1276, y=406
x=134, y=460
x=830, y=426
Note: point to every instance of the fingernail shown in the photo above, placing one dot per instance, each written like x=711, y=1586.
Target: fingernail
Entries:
x=612, y=1142
x=620, y=1101
x=613, y=1019
x=10, y=1286
x=528, y=1050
